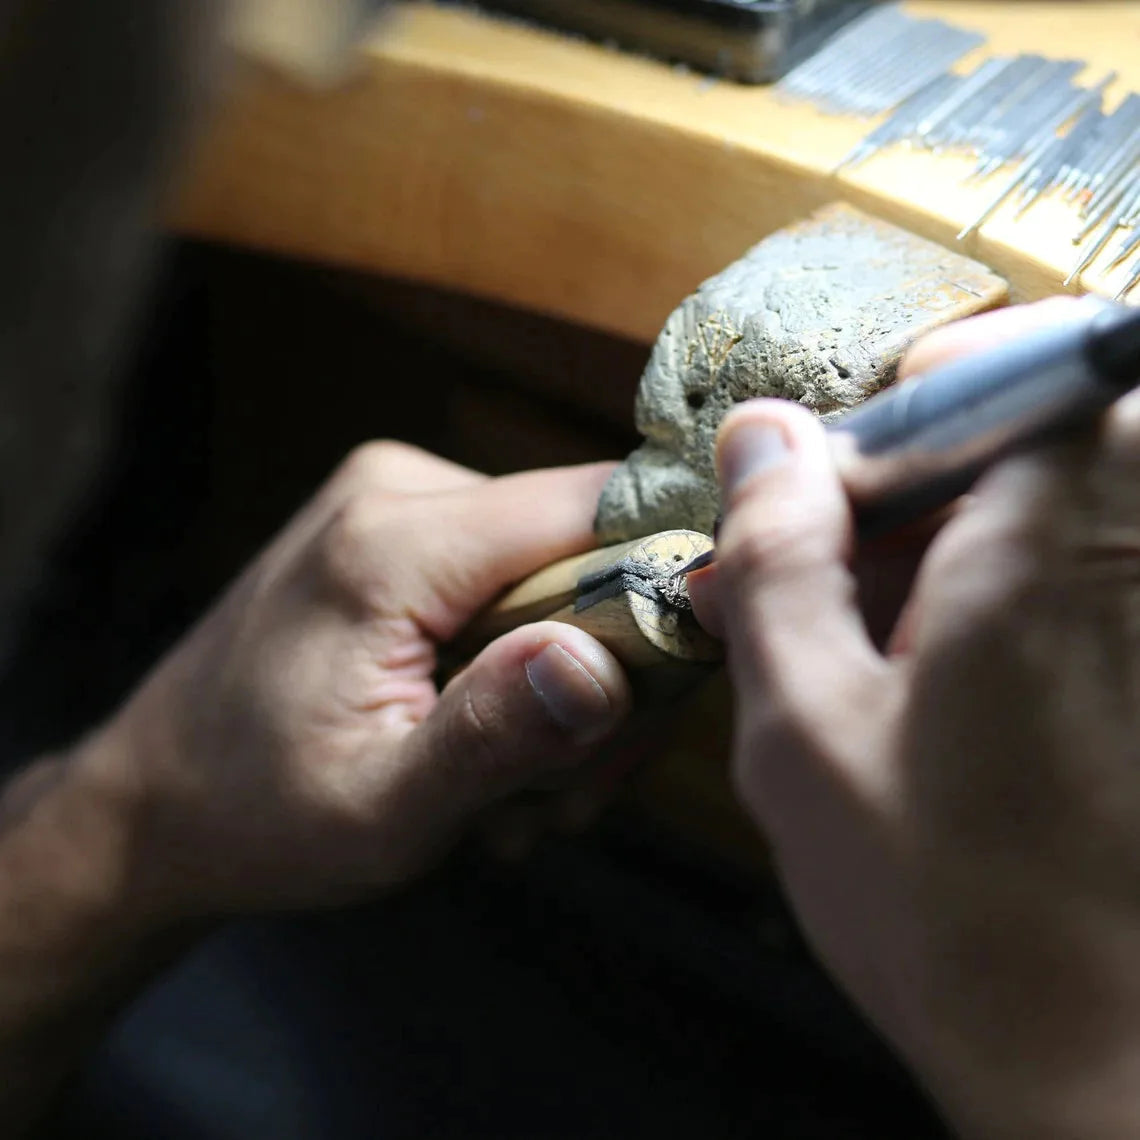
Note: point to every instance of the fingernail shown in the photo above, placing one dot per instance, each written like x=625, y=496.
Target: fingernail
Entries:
x=571, y=695
x=748, y=449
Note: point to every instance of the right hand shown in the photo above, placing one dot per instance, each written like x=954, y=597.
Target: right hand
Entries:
x=957, y=820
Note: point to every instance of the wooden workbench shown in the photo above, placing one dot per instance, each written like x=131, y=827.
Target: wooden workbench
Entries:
x=530, y=168
x=520, y=166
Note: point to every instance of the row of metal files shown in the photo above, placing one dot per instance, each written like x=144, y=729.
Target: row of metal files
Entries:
x=1023, y=119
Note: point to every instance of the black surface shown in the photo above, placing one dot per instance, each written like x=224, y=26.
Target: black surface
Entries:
x=611, y=986
x=748, y=42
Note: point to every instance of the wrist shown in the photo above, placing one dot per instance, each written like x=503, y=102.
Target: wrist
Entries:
x=78, y=934
x=78, y=901
x=1079, y=1080
x=1095, y=1109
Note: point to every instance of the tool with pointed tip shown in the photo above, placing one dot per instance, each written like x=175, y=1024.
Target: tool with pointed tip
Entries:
x=902, y=124
x=1083, y=103
x=1125, y=250
x=1114, y=222
x=998, y=200
x=1046, y=170
x=919, y=445
x=1129, y=285
x=880, y=61
x=969, y=89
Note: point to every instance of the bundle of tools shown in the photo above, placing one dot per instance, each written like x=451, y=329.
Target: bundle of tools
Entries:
x=879, y=60
x=1022, y=118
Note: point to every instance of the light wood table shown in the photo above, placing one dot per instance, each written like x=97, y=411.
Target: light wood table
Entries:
x=562, y=178
x=565, y=178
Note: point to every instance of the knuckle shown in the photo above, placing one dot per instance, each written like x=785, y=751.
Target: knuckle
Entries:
x=354, y=546
x=985, y=569
x=377, y=464
x=1123, y=427
x=999, y=579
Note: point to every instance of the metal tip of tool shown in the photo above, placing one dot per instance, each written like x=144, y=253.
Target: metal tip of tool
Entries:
x=698, y=563
x=1129, y=285
x=1127, y=248
x=1027, y=202
x=853, y=158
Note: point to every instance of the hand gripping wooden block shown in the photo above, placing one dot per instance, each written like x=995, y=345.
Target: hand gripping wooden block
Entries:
x=820, y=312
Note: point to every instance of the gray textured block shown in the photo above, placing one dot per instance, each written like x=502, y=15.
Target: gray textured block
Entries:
x=820, y=312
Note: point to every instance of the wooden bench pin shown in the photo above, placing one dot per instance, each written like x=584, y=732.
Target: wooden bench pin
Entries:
x=626, y=596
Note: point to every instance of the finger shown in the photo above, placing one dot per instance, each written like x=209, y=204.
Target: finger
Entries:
x=462, y=549
x=371, y=472
x=986, y=331
x=961, y=339
x=392, y=468
x=537, y=701
x=886, y=568
x=796, y=637
x=885, y=572
x=705, y=594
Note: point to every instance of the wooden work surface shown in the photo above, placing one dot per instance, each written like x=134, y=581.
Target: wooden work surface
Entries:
x=526, y=167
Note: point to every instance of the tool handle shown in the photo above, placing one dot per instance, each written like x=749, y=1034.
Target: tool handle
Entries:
x=920, y=444
x=642, y=626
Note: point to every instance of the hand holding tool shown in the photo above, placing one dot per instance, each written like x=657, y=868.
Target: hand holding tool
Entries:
x=919, y=445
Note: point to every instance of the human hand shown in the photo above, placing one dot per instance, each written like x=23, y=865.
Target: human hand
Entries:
x=957, y=819
x=295, y=751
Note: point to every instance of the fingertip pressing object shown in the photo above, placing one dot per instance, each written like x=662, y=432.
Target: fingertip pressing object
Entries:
x=917, y=446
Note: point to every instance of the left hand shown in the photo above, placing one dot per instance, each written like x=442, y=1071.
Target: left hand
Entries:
x=295, y=750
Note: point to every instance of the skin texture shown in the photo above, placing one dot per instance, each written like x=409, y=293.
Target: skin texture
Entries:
x=294, y=750
x=955, y=818
x=304, y=747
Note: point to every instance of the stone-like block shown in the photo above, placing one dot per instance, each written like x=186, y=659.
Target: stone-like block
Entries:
x=820, y=313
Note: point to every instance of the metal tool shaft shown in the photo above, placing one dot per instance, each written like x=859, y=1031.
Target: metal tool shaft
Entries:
x=925, y=441
x=919, y=445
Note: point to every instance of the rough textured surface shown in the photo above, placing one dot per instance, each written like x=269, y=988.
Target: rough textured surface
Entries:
x=820, y=312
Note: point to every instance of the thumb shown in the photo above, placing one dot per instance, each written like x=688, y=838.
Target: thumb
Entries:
x=797, y=645
x=533, y=703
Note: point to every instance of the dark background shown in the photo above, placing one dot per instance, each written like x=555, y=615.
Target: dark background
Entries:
x=622, y=983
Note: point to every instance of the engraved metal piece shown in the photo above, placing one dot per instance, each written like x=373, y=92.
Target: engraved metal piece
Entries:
x=652, y=580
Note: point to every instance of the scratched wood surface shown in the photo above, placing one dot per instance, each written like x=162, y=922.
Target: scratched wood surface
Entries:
x=561, y=177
